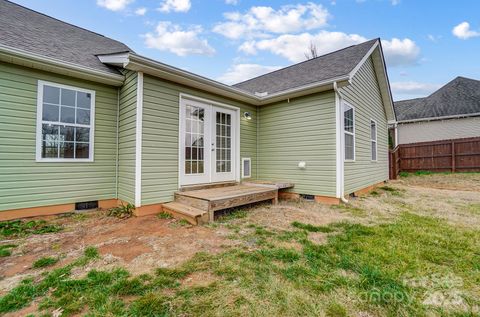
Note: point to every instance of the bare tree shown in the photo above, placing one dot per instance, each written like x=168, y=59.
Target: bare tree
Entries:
x=312, y=51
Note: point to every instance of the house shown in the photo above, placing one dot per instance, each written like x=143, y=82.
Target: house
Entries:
x=86, y=121
x=451, y=112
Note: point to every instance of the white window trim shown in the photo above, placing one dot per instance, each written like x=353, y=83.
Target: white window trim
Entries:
x=345, y=105
x=39, y=158
x=372, y=140
x=244, y=159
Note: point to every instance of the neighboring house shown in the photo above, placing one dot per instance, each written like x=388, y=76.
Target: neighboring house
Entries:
x=452, y=112
x=83, y=118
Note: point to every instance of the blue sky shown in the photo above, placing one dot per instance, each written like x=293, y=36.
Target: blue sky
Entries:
x=426, y=43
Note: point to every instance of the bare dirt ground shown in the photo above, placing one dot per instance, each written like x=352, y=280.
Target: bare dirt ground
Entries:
x=143, y=244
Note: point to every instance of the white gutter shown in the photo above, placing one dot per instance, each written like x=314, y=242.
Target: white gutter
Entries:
x=459, y=116
x=149, y=66
x=32, y=60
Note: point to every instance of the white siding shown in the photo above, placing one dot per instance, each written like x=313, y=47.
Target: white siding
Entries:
x=438, y=130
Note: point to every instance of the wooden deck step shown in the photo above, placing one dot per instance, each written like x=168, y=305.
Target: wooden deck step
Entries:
x=193, y=215
x=214, y=199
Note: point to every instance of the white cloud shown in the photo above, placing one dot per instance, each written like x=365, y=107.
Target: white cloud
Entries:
x=260, y=20
x=114, y=5
x=413, y=88
x=462, y=31
x=175, y=5
x=293, y=47
x=141, y=11
x=395, y=2
x=232, y=2
x=241, y=72
x=171, y=37
x=400, y=52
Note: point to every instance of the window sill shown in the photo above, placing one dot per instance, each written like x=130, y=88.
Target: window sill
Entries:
x=64, y=160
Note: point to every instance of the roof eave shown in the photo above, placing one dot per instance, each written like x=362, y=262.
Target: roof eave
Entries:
x=149, y=66
x=23, y=58
x=382, y=77
x=458, y=116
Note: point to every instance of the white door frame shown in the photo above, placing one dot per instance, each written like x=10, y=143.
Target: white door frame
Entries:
x=235, y=148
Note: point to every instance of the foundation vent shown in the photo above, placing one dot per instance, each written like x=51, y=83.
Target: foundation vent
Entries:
x=86, y=205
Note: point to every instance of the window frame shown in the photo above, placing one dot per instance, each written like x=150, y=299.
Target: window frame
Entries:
x=40, y=121
x=372, y=140
x=347, y=106
x=244, y=159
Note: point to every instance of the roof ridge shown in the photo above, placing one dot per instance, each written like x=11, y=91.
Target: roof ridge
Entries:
x=303, y=62
x=70, y=24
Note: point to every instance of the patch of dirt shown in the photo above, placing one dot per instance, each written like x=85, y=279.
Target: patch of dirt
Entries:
x=126, y=250
x=199, y=279
x=139, y=244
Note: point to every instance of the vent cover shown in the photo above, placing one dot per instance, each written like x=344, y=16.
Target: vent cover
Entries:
x=86, y=205
x=246, y=167
x=307, y=197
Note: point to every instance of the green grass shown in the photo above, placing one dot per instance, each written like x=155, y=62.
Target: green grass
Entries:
x=387, y=269
x=44, y=262
x=6, y=250
x=232, y=215
x=312, y=228
x=164, y=215
x=20, y=228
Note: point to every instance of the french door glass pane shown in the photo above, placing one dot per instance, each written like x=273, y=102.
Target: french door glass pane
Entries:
x=194, y=140
x=223, y=134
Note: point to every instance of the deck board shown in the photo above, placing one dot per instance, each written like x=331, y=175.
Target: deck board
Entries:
x=229, y=192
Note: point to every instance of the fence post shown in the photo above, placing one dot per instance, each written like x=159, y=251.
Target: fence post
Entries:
x=453, y=157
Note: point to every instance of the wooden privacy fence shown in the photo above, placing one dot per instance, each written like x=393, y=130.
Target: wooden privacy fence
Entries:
x=458, y=155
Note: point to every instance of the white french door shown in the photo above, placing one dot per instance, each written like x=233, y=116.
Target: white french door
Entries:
x=208, y=143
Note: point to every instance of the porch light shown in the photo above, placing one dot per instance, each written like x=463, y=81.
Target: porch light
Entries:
x=247, y=115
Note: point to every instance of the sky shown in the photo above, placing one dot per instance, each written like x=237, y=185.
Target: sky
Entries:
x=426, y=43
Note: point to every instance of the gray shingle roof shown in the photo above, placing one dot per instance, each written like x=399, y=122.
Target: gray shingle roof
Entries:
x=332, y=65
x=461, y=96
x=25, y=29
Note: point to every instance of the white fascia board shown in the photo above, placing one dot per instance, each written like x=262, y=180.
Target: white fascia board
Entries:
x=149, y=66
x=24, y=58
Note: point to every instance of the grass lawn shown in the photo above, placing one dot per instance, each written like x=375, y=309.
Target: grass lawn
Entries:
x=399, y=258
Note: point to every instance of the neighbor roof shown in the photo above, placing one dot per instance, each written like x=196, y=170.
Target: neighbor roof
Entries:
x=336, y=64
x=31, y=31
x=461, y=96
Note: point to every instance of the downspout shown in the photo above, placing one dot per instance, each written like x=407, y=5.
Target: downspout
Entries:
x=338, y=98
x=118, y=139
x=258, y=129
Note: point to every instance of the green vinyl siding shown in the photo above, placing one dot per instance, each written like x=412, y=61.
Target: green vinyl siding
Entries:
x=160, y=136
x=364, y=95
x=127, y=138
x=25, y=183
x=300, y=130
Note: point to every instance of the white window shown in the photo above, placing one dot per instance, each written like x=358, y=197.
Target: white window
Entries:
x=65, y=121
x=349, y=131
x=373, y=137
x=246, y=167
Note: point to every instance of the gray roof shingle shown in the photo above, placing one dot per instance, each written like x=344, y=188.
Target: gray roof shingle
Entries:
x=461, y=96
x=332, y=65
x=28, y=30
